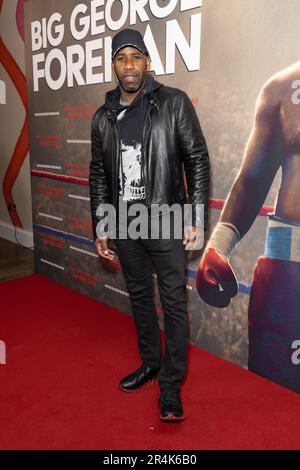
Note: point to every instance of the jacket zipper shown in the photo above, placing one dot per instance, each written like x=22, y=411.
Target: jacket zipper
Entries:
x=116, y=173
x=144, y=146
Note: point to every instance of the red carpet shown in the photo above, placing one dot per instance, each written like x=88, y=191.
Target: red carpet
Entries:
x=59, y=388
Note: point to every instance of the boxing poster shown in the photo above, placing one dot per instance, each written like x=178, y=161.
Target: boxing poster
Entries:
x=238, y=62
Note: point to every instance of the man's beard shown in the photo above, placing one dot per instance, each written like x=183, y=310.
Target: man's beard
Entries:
x=131, y=87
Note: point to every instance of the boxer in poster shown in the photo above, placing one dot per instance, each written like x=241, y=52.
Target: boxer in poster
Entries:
x=274, y=317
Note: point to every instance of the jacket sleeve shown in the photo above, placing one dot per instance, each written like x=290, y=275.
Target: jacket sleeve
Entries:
x=99, y=190
x=195, y=159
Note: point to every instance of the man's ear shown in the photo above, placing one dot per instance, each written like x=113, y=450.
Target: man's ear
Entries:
x=115, y=75
x=148, y=63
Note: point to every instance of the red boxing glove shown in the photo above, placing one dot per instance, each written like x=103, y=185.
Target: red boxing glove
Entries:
x=215, y=281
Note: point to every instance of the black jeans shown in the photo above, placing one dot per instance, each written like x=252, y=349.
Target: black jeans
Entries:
x=168, y=258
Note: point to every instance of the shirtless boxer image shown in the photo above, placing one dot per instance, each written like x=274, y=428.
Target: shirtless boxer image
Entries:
x=274, y=307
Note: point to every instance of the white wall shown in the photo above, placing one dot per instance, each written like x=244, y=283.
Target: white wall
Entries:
x=12, y=116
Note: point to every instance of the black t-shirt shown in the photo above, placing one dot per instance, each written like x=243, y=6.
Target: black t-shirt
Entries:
x=130, y=121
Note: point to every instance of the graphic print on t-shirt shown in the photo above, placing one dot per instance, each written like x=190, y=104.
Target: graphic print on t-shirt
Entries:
x=130, y=169
x=133, y=187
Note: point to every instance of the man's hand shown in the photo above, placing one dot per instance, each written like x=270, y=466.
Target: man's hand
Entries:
x=193, y=238
x=101, y=245
x=216, y=282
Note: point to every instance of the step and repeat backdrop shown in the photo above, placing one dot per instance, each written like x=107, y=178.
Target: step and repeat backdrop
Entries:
x=221, y=53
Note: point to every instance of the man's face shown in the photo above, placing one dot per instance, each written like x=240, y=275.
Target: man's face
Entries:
x=130, y=66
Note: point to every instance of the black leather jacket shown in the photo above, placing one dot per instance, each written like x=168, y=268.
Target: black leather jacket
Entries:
x=172, y=139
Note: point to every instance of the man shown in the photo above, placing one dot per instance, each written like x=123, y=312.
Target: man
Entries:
x=274, y=320
x=141, y=137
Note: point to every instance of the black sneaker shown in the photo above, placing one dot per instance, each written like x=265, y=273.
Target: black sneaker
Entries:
x=170, y=403
x=138, y=378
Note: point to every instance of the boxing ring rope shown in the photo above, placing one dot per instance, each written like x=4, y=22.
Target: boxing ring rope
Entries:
x=59, y=177
x=214, y=203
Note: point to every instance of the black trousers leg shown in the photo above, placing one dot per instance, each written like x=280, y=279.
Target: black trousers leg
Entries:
x=169, y=260
x=137, y=269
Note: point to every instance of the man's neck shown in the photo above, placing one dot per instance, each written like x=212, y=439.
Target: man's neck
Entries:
x=128, y=97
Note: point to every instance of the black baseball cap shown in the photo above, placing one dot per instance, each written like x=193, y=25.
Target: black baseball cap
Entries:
x=127, y=37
